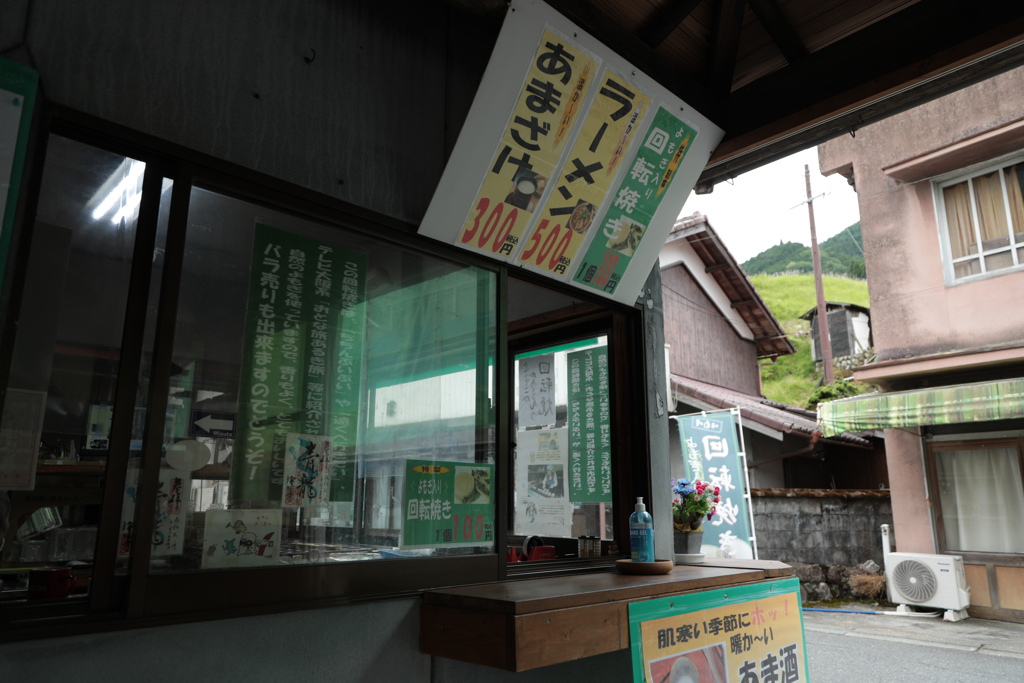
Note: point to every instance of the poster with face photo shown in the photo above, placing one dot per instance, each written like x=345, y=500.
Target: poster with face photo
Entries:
x=542, y=493
x=241, y=538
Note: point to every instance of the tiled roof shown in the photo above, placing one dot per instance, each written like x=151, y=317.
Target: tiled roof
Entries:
x=779, y=416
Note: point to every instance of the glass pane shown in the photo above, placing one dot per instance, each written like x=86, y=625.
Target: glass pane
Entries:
x=563, y=468
x=330, y=398
x=962, y=240
x=60, y=396
x=988, y=197
x=982, y=500
x=966, y=268
x=1003, y=259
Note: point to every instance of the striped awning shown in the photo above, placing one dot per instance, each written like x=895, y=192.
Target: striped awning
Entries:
x=980, y=402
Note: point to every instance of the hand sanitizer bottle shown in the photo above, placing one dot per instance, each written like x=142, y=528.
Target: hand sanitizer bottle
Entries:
x=641, y=533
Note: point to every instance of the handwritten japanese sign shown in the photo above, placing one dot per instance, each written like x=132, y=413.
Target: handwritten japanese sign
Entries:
x=241, y=538
x=651, y=172
x=302, y=363
x=570, y=154
x=307, y=473
x=711, y=454
x=19, y=439
x=745, y=634
x=172, y=500
x=537, y=391
x=589, y=417
x=448, y=504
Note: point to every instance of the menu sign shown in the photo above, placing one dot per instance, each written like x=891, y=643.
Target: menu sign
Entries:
x=448, y=504
x=572, y=163
x=590, y=431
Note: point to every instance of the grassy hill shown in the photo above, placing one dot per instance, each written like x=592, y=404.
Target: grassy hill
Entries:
x=792, y=379
x=840, y=255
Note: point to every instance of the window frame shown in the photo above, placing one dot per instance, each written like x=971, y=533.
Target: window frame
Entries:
x=931, y=466
x=117, y=598
x=967, y=175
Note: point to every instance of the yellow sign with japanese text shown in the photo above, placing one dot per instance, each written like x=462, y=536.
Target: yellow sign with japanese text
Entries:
x=741, y=634
x=586, y=177
x=546, y=111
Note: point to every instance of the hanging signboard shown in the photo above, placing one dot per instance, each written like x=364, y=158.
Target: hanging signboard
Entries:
x=542, y=494
x=735, y=635
x=572, y=162
x=588, y=414
x=17, y=98
x=448, y=504
x=712, y=454
x=537, y=391
x=301, y=367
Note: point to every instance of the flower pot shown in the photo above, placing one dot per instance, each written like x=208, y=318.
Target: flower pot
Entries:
x=688, y=542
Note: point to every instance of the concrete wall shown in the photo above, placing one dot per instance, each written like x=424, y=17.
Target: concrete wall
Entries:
x=913, y=311
x=821, y=527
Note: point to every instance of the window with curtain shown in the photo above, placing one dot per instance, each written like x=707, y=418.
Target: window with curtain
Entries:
x=982, y=218
x=980, y=495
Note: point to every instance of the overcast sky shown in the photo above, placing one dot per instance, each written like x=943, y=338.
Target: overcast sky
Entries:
x=755, y=211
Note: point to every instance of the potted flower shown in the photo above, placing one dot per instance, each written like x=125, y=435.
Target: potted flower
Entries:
x=692, y=503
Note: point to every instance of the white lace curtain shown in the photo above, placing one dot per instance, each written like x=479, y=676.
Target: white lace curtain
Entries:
x=982, y=500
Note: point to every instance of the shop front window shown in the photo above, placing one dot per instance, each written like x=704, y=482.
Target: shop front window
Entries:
x=330, y=398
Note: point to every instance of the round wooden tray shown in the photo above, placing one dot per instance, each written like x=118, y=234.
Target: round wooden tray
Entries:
x=656, y=567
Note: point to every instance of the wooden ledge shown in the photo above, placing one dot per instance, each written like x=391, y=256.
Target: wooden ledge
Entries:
x=521, y=625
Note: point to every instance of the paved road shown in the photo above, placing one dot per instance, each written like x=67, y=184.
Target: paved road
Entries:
x=859, y=648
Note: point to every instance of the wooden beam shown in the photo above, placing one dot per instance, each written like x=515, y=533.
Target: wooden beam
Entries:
x=945, y=45
x=716, y=267
x=779, y=29
x=637, y=52
x=743, y=303
x=725, y=44
x=666, y=20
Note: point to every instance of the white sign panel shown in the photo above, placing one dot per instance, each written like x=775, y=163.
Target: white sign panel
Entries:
x=572, y=162
x=542, y=492
x=537, y=391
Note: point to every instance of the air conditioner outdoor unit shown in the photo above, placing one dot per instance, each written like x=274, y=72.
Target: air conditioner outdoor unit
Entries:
x=935, y=581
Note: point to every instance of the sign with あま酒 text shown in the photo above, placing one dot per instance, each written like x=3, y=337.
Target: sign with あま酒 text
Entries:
x=572, y=163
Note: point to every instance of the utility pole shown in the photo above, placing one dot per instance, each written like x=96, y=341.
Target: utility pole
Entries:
x=824, y=339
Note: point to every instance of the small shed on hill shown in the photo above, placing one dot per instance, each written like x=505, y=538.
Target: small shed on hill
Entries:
x=849, y=328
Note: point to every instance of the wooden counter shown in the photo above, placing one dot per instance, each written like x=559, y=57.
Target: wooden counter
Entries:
x=521, y=625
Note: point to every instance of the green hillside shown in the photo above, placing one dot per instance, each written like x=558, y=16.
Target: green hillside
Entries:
x=792, y=379
x=840, y=255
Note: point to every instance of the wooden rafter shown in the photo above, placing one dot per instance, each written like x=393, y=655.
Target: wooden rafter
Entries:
x=779, y=29
x=725, y=43
x=666, y=20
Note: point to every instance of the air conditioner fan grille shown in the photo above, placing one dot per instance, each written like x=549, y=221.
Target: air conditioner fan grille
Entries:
x=914, y=580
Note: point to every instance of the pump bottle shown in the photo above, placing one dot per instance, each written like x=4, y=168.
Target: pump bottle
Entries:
x=641, y=533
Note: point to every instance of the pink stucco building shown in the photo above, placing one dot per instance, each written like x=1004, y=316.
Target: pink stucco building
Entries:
x=942, y=214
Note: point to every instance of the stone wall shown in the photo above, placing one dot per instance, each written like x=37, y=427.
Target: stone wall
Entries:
x=844, y=365
x=815, y=526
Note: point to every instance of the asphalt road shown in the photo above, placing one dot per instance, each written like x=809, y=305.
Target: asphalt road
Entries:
x=856, y=648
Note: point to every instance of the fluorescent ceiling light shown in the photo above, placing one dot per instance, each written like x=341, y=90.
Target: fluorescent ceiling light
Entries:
x=128, y=183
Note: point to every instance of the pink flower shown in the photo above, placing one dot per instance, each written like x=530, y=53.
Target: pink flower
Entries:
x=717, y=500
x=716, y=491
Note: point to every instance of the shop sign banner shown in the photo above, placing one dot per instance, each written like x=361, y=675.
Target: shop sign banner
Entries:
x=542, y=493
x=736, y=635
x=17, y=98
x=588, y=414
x=234, y=539
x=711, y=453
x=447, y=505
x=569, y=154
x=172, y=499
x=537, y=391
x=302, y=363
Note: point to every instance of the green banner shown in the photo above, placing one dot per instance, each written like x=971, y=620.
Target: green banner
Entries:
x=590, y=430
x=732, y=635
x=301, y=363
x=448, y=504
x=17, y=99
x=711, y=454
x=637, y=199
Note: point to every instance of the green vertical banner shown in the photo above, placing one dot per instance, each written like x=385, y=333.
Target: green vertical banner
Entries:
x=17, y=98
x=301, y=361
x=448, y=504
x=590, y=431
x=635, y=201
x=711, y=454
